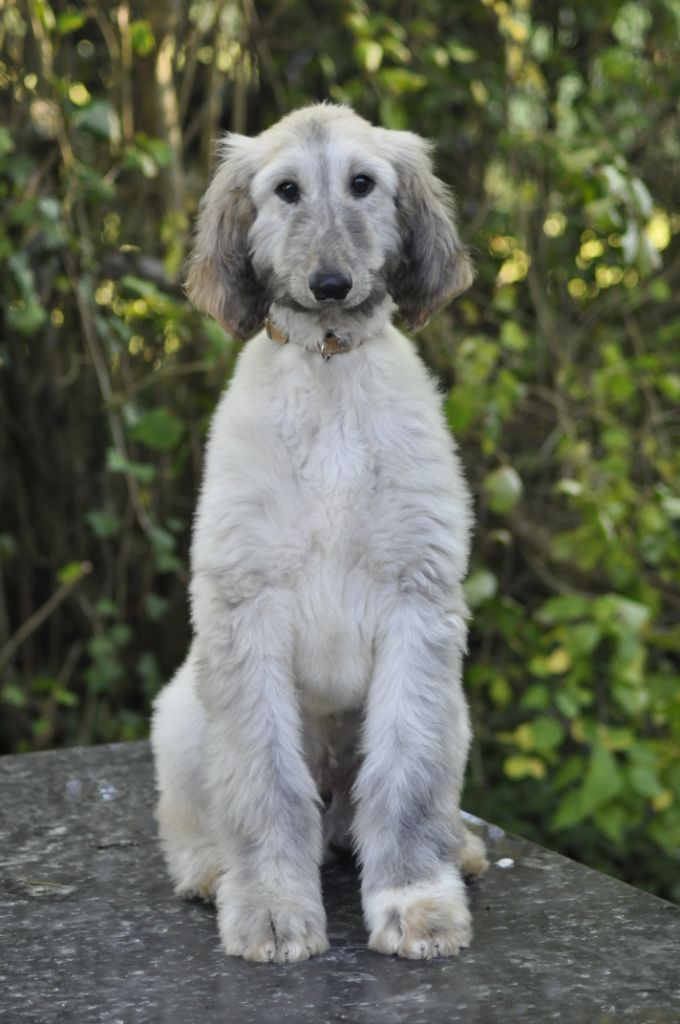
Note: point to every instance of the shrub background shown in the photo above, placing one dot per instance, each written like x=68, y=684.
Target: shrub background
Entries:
x=557, y=125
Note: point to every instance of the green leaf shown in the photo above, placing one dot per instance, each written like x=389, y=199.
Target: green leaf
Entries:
x=6, y=142
x=103, y=524
x=116, y=463
x=503, y=488
x=402, y=81
x=106, y=607
x=155, y=606
x=70, y=21
x=461, y=53
x=369, y=54
x=536, y=698
x=94, y=185
x=612, y=821
x=671, y=506
x=100, y=119
x=644, y=780
x=8, y=547
x=570, y=772
x=149, y=672
x=632, y=699
x=159, y=429
x=521, y=766
x=460, y=409
x=13, y=695
x=120, y=634
x=615, y=608
x=140, y=160
x=619, y=65
x=669, y=385
x=164, y=544
x=570, y=811
x=143, y=39
x=71, y=572
x=564, y=608
x=140, y=286
x=26, y=318
x=631, y=24
x=218, y=339
x=566, y=485
x=547, y=733
x=500, y=690
x=583, y=637
x=513, y=336
x=65, y=697
x=603, y=779
x=480, y=587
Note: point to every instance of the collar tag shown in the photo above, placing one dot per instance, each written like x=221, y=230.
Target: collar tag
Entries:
x=332, y=345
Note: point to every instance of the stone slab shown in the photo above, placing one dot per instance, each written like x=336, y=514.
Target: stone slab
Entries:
x=91, y=933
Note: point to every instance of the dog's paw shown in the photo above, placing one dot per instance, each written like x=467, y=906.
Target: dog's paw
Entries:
x=277, y=934
x=472, y=854
x=203, y=888
x=274, y=929
x=420, y=921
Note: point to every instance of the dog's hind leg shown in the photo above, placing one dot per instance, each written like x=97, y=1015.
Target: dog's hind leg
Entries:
x=335, y=761
x=473, y=859
x=177, y=735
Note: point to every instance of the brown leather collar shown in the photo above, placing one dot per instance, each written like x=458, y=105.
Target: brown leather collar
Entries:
x=331, y=344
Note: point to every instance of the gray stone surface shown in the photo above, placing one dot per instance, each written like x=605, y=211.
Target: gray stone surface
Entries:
x=91, y=933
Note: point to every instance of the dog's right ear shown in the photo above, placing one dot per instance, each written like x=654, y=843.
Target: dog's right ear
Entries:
x=221, y=280
x=434, y=266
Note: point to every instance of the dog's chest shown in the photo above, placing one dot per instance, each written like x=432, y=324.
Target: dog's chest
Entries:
x=330, y=440
x=331, y=443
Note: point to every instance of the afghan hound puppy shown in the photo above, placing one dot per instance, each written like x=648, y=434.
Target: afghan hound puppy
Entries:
x=320, y=704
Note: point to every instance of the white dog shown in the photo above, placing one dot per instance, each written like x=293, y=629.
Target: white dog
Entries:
x=329, y=548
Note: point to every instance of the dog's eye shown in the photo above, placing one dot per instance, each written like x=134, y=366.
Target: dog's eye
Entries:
x=362, y=185
x=288, y=191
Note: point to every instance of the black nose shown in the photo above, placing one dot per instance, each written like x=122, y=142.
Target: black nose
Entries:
x=329, y=286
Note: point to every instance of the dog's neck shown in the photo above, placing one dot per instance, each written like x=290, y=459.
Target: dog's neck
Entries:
x=330, y=331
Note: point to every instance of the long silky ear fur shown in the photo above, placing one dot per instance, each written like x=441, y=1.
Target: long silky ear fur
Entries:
x=434, y=265
x=220, y=279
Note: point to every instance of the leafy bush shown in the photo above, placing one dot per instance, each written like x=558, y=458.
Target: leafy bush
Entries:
x=558, y=128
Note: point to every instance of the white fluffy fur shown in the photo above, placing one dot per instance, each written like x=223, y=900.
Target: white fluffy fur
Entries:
x=329, y=625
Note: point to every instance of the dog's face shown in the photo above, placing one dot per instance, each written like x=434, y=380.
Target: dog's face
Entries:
x=325, y=229
x=325, y=211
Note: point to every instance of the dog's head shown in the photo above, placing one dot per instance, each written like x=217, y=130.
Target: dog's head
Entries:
x=324, y=210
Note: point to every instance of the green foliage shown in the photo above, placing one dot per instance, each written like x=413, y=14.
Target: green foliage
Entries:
x=558, y=128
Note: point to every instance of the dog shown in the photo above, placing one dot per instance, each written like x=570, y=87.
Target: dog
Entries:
x=320, y=707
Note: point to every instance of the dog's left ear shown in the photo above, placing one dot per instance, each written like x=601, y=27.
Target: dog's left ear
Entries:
x=220, y=279
x=434, y=266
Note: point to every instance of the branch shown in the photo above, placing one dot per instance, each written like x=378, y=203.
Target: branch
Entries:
x=264, y=53
x=42, y=614
x=101, y=370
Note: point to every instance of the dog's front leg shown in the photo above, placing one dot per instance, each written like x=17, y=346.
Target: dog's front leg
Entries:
x=263, y=805
x=407, y=824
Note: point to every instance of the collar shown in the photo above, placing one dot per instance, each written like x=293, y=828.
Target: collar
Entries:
x=330, y=344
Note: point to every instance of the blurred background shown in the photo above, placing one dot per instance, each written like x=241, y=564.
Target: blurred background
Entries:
x=557, y=125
